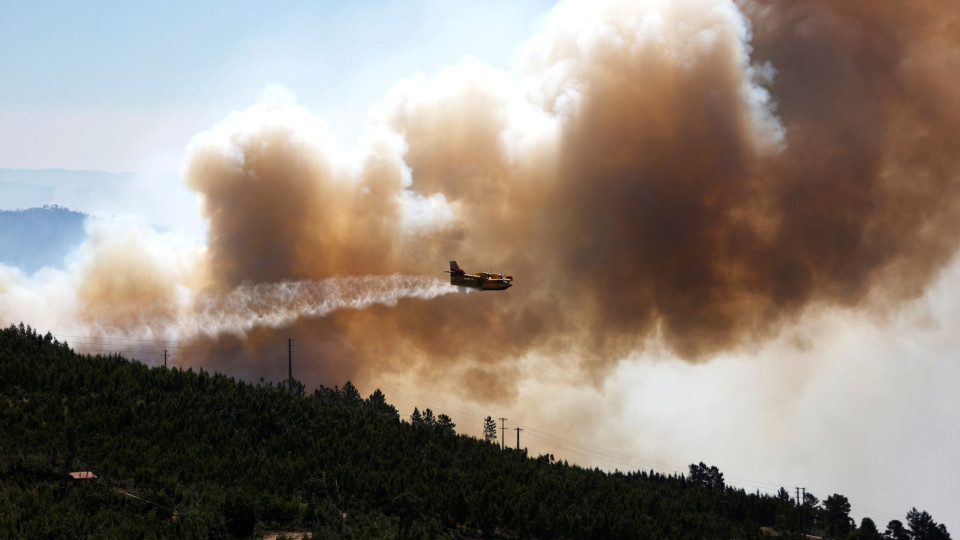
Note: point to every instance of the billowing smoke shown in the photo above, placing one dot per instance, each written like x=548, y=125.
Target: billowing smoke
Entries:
x=696, y=172
x=278, y=305
x=128, y=282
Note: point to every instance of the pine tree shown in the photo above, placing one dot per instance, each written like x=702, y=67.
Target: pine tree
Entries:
x=923, y=527
x=489, y=429
x=895, y=531
x=445, y=424
x=377, y=403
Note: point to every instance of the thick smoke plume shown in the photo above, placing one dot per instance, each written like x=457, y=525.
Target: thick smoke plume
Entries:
x=700, y=172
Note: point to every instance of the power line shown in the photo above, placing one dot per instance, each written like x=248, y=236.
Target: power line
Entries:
x=184, y=348
x=144, y=500
x=608, y=459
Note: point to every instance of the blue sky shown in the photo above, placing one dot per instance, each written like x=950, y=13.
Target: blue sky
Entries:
x=81, y=79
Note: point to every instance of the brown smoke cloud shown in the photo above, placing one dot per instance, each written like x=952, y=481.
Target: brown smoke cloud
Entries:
x=699, y=172
x=654, y=171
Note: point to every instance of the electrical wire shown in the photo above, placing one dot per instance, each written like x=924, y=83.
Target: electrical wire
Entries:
x=610, y=459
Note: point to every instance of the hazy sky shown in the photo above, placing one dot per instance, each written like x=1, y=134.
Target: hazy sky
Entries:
x=836, y=399
x=115, y=86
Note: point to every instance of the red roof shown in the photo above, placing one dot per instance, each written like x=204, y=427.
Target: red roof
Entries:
x=83, y=475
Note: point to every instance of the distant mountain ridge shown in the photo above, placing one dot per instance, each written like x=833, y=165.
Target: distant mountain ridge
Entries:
x=28, y=188
x=36, y=237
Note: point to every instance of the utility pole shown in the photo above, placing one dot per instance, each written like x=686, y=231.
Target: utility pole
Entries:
x=803, y=512
x=290, y=363
x=799, y=523
x=164, y=358
x=503, y=430
x=518, y=437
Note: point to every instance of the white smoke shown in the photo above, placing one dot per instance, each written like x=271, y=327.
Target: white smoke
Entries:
x=131, y=281
x=277, y=305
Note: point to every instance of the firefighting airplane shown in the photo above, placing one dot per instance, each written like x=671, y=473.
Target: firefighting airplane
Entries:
x=484, y=281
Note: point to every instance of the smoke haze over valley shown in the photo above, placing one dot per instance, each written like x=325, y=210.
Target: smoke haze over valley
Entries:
x=733, y=228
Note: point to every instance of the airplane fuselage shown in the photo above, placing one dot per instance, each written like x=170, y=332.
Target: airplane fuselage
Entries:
x=483, y=281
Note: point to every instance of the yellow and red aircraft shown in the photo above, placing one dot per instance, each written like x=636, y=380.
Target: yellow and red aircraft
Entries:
x=484, y=281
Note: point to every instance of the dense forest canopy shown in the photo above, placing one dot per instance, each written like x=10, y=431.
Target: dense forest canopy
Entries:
x=198, y=455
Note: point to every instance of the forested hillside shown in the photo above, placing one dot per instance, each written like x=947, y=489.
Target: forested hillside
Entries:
x=179, y=454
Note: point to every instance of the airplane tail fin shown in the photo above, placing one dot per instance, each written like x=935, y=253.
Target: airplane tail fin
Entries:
x=455, y=268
